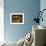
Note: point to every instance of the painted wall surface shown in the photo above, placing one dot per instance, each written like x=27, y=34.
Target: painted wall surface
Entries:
x=43, y=6
x=28, y=7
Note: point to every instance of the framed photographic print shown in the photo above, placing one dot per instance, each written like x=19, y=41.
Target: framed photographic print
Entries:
x=16, y=18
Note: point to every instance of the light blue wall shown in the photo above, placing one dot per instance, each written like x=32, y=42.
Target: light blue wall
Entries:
x=28, y=7
x=43, y=6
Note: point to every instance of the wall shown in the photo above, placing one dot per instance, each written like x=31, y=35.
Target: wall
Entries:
x=28, y=7
x=1, y=21
x=43, y=6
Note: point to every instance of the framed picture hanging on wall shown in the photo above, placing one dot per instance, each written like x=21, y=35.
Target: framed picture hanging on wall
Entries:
x=16, y=18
